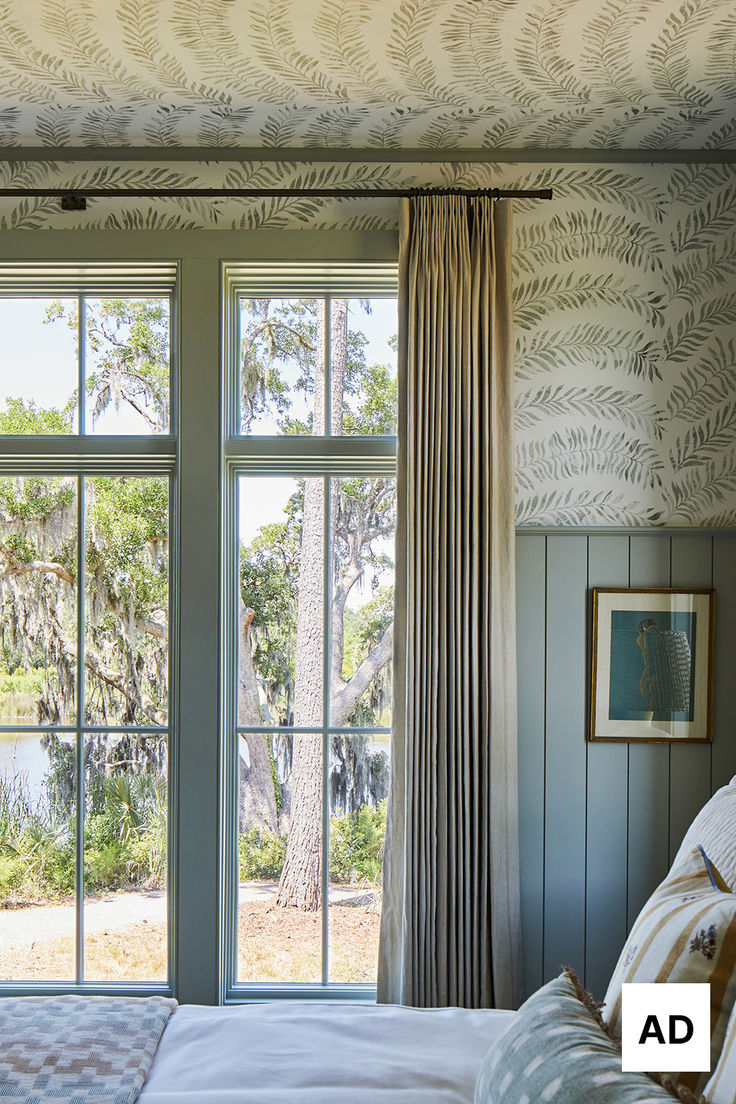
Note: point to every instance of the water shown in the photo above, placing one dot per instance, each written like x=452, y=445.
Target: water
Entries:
x=21, y=754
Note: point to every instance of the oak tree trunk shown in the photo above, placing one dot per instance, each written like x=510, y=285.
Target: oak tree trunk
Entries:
x=302, y=871
x=301, y=877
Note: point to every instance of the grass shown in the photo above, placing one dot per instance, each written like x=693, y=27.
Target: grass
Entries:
x=19, y=694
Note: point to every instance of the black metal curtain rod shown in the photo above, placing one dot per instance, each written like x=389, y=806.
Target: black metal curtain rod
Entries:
x=75, y=199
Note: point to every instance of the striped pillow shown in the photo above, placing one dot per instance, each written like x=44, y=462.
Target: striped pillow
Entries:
x=686, y=932
x=721, y=1089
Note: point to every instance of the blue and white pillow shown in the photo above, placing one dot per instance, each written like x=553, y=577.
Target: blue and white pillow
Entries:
x=557, y=1049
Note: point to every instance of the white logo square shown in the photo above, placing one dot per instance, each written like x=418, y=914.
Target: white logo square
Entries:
x=665, y=1027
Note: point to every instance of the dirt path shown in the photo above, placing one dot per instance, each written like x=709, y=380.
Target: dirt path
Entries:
x=116, y=911
x=40, y=923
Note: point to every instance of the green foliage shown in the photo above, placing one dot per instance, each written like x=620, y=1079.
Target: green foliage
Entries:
x=34, y=498
x=20, y=416
x=269, y=572
x=356, y=848
x=379, y=397
x=127, y=354
x=260, y=854
x=19, y=691
x=356, y=845
x=124, y=844
x=127, y=526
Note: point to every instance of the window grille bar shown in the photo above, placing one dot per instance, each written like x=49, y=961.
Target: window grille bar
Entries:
x=80, y=788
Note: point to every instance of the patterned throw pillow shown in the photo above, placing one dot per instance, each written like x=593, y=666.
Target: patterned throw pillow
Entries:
x=686, y=932
x=558, y=1049
x=721, y=1089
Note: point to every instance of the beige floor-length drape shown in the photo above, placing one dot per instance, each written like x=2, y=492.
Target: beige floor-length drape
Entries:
x=450, y=930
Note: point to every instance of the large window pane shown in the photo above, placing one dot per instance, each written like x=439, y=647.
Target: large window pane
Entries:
x=37, y=857
x=359, y=777
x=287, y=363
x=126, y=594
x=278, y=941
x=127, y=346
x=125, y=849
x=281, y=366
x=39, y=375
x=361, y=623
x=38, y=600
x=280, y=675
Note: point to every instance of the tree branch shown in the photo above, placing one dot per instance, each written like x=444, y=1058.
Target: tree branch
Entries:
x=48, y=567
x=346, y=699
x=135, y=697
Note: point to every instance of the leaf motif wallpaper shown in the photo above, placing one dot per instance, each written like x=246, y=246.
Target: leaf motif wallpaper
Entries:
x=625, y=284
x=625, y=314
x=381, y=73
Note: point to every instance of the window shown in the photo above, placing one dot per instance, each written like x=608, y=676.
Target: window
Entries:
x=86, y=463
x=310, y=456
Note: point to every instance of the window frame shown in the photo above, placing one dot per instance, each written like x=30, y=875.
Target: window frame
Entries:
x=299, y=456
x=196, y=760
x=80, y=455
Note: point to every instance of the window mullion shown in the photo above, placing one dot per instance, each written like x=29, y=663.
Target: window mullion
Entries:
x=327, y=358
x=326, y=645
x=79, y=873
x=82, y=364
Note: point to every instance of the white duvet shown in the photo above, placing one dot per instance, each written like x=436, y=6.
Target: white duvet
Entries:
x=312, y=1053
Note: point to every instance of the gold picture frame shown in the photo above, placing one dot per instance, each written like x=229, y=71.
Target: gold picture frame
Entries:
x=652, y=665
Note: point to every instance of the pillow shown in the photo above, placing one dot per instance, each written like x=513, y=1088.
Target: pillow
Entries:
x=721, y=1089
x=714, y=828
x=558, y=1049
x=686, y=932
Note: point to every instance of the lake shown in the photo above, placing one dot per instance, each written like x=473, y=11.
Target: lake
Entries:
x=21, y=754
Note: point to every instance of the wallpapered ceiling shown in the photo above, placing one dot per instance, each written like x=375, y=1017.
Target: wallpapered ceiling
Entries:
x=625, y=290
x=386, y=73
x=625, y=315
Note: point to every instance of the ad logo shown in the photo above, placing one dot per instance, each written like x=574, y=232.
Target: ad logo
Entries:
x=665, y=1027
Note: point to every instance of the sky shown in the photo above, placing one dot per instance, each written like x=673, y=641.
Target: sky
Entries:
x=39, y=361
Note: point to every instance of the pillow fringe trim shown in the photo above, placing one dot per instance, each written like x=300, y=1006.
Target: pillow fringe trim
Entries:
x=594, y=1007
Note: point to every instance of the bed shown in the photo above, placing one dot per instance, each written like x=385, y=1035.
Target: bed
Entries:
x=558, y=1044
x=320, y=1053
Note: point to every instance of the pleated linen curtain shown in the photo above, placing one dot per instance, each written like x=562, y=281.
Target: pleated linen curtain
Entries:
x=450, y=928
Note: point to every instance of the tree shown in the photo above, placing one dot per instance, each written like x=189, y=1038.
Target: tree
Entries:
x=362, y=514
x=126, y=553
x=280, y=616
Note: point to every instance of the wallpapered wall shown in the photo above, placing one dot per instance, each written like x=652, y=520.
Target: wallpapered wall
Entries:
x=625, y=313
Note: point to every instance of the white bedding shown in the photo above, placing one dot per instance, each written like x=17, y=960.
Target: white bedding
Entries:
x=321, y=1054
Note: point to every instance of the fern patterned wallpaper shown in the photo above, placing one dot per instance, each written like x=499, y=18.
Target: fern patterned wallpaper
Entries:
x=386, y=73
x=625, y=313
x=625, y=284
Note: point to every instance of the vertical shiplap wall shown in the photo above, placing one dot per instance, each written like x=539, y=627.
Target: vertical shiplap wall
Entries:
x=600, y=823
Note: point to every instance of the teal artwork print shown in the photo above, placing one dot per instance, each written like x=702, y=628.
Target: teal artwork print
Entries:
x=652, y=665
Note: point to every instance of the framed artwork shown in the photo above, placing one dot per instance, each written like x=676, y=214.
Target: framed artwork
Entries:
x=652, y=665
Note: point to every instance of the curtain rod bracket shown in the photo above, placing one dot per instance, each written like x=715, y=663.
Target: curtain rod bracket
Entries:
x=73, y=202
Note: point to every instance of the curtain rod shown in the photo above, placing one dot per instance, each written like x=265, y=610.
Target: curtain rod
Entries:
x=75, y=199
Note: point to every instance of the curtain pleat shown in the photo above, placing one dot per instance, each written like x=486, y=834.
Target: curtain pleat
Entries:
x=450, y=929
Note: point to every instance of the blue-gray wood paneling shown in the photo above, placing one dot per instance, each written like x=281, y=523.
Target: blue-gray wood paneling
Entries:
x=599, y=823
x=649, y=764
x=565, y=767
x=692, y=565
x=607, y=799
x=531, y=617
